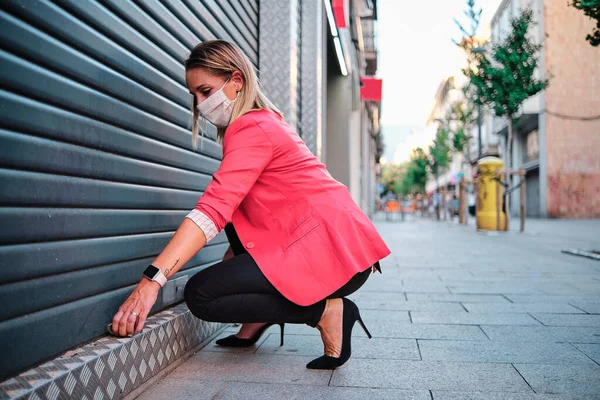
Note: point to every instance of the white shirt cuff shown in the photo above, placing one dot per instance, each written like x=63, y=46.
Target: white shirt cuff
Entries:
x=204, y=223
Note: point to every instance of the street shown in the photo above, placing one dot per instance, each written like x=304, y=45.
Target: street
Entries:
x=457, y=314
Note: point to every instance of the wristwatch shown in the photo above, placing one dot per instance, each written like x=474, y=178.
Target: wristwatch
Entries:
x=154, y=274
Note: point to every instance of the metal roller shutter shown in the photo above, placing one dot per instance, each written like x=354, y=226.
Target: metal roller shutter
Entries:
x=96, y=164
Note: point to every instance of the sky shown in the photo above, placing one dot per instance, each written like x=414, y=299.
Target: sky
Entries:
x=415, y=53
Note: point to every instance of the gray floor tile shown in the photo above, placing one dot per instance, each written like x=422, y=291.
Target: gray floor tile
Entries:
x=216, y=366
x=429, y=375
x=528, y=298
x=402, y=330
x=360, y=295
x=403, y=305
x=562, y=379
x=561, y=308
x=591, y=350
x=397, y=349
x=193, y=389
x=501, y=352
x=253, y=391
x=436, y=297
x=392, y=285
x=568, y=320
x=372, y=316
x=542, y=333
x=495, y=289
x=451, y=395
x=592, y=307
x=429, y=317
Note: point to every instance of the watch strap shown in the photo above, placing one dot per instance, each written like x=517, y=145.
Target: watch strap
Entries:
x=160, y=278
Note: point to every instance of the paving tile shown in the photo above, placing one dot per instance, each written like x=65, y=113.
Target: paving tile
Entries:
x=568, y=319
x=451, y=395
x=543, y=333
x=429, y=375
x=592, y=307
x=561, y=308
x=382, y=296
x=215, y=366
x=395, y=286
x=465, y=318
x=192, y=389
x=236, y=390
x=507, y=351
x=451, y=297
x=546, y=298
x=403, y=305
x=591, y=350
x=393, y=329
x=384, y=348
x=495, y=289
x=570, y=379
x=370, y=316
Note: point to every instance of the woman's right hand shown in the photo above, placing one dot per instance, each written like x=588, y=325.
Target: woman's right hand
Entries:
x=132, y=315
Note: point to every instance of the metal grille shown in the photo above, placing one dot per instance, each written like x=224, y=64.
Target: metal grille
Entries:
x=97, y=168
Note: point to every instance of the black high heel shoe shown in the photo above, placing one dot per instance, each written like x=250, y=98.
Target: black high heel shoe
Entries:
x=350, y=316
x=234, y=341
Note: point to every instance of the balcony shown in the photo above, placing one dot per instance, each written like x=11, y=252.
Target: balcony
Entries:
x=370, y=47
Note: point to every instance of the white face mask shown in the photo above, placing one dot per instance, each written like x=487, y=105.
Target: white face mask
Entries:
x=217, y=108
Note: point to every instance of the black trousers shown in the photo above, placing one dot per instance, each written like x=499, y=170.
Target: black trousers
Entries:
x=235, y=290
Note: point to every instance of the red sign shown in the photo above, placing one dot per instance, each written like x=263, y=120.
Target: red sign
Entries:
x=370, y=89
x=340, y=12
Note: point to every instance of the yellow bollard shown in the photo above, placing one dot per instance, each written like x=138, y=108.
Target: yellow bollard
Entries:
x=487, y=196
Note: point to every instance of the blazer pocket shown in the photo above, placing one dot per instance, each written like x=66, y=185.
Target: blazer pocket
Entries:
x=303, y=229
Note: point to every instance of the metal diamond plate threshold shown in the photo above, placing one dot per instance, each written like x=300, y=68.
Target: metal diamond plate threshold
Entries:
x=112, y=368
x=593, y=254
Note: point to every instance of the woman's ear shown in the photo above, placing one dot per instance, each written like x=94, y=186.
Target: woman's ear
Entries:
x=238, y=80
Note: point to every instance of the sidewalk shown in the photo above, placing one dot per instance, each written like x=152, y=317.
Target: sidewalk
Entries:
x=455, y=315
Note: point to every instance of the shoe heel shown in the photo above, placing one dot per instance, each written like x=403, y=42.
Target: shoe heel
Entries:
x=362, y=324
x=282, y=326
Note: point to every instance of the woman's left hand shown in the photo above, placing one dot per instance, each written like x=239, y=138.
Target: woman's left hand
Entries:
x=132, y=315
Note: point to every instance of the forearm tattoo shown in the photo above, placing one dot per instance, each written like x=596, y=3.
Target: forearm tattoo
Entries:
x=169, y=269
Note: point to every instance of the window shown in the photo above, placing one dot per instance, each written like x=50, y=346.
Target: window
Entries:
x=532, y=147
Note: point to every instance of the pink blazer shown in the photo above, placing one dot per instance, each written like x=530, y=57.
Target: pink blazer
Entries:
x=301, y=226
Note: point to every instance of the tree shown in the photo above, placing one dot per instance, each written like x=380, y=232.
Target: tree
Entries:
x=415, y=176
x=505, y=84
x=439, y=153
x=460, y=117
x=590, y=8
x=474, y=16
x=469, y=43
x=391, y=177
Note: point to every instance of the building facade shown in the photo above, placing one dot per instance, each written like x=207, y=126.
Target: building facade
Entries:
x=557, y=137
x=98, y=169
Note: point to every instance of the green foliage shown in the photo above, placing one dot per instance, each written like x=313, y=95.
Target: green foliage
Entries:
x=391, y=177
x=590, y=8
x=463, y=114
x=474, y=16
x=504, y=87
x=415, y=176
x=440, y=153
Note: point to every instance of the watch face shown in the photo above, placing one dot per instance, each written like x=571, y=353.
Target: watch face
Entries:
x=151, y=272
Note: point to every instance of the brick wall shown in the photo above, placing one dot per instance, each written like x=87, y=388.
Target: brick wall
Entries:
x=573, y=146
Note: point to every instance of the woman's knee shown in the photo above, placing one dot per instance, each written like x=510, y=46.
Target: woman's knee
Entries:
x=195, y=292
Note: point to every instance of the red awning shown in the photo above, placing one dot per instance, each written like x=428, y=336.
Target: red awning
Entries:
x=340, y=12
x=370, y=88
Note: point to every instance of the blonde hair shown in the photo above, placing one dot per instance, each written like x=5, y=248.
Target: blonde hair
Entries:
x=222, y=58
